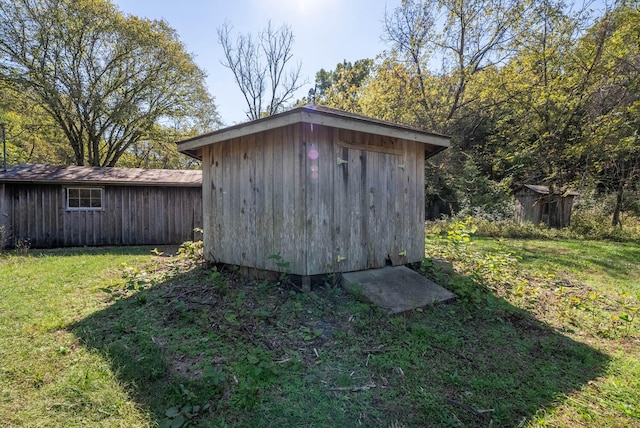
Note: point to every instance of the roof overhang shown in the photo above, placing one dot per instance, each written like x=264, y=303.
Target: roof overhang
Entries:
x=100, y=176
x=317, y=115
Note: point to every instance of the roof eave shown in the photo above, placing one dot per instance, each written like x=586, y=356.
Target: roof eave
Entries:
x=316, y=117
x=99, y=183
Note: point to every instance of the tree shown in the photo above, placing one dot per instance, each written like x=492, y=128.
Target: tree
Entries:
x=614, y=106
x=31, y=135
x=106, y=79
x=259, y=67
x=467, y=35
x=342, y=87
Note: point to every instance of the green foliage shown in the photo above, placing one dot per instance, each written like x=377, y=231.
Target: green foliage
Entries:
x=342, y=88
x=497, y=272
x=186, y=414
x=107, y=81
x=537, y=93
x=191, y=253
x=70, y=357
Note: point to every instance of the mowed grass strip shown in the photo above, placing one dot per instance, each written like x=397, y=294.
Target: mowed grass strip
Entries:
x=47, y=378
x=166, y=345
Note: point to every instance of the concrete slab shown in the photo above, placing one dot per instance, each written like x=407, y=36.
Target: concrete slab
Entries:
x=396, y=288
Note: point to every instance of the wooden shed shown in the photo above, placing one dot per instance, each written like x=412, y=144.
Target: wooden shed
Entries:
x=62, y=206
x=533, y=204
x=314, y=190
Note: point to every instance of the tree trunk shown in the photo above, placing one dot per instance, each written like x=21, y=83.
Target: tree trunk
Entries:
x=615, y=221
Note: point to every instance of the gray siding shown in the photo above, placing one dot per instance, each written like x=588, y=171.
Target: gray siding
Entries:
x=536, y=208
x=131, y=215
x=264, y=195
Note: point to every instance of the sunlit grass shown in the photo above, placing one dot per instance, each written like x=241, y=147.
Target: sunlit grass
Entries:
x=47, y=378
x=88, y=341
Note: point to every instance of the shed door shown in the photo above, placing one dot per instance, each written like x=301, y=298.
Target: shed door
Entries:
x=369, y=195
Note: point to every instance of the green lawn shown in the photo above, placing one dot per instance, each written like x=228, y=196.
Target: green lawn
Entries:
x=544, y=334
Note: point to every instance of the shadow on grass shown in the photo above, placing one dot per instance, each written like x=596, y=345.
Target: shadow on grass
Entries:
x=219, y=351
x=139, y=250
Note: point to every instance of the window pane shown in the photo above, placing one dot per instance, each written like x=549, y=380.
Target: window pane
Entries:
x=87, y=198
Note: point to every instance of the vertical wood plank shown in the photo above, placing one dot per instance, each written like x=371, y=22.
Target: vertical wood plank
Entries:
x=299, y=234
x=266, y=217
x=279, y=208
x=5, y=219
x=61, y=205
x=238, y=219
x=384, y=235
x=420, y=214
x=259, y=197
x=356, y=204
x=217, y=200
x=288, y=237
x=372, y=195
x=392, y=163
x=209, y=188
x=319, y=199
x=408, y=190
x=341, y=227
x=246, y=230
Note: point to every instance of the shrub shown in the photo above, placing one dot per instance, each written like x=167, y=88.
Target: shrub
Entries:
x=588, y=224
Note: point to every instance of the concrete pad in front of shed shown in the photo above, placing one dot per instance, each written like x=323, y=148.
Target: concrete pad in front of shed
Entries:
x=396, y=288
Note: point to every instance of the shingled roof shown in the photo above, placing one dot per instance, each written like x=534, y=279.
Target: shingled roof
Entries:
x=86, y=175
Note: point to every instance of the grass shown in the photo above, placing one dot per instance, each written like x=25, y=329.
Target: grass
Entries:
x=86, y=340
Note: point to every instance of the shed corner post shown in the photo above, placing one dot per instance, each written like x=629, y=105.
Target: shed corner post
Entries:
x=306, y=283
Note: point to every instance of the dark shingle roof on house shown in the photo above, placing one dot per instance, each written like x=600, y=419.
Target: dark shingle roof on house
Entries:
x=87, y=175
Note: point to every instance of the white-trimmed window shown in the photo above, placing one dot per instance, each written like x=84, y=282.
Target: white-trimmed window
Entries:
x=84, y=198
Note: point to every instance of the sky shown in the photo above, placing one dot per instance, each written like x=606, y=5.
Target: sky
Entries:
x=326, y=32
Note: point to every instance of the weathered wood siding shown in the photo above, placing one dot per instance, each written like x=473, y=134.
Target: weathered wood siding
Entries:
x=536, y=208
x=271, y=194
x=131, y=215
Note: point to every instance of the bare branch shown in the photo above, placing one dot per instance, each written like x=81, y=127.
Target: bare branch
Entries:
x=260, y=68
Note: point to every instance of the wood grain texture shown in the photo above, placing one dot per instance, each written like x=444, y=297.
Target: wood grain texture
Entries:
x=37, y=212
x=319, y=216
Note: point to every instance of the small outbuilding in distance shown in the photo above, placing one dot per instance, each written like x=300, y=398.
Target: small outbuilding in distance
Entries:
x=533, y=204
x=315, y=189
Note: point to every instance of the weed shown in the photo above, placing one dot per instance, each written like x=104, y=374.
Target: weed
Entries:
x=208, y=348
x=4, y=234
x=282, y=266
x=186, y=413
x=22, y=246
x=191, y=253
